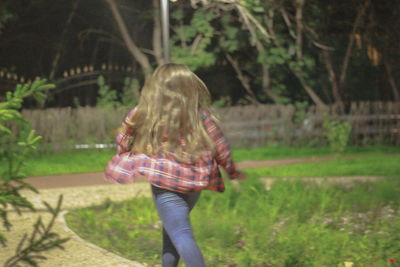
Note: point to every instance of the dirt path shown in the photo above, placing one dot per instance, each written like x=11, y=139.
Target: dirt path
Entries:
x=88, y=179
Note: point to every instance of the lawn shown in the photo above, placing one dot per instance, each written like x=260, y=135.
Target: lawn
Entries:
x=94, y=160
x=293, y=224
x=379, y=165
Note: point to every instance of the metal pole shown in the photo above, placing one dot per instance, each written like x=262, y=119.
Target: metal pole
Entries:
x=165, y=28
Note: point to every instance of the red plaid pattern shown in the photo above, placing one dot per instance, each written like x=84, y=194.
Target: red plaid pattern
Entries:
x=166, y=171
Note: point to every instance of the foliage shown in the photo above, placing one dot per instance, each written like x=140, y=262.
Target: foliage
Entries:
x=130, y=92
x=110, y=217
x=17, y=142
x=338, y=134
x=327, y=24
x=292, y=224
x=302, y=120
x=5, y=15
x=40, y=240
x=190, y=43
x=107, y=98
x=220, y=102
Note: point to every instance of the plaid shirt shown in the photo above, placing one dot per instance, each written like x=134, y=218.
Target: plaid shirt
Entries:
x=166, y=171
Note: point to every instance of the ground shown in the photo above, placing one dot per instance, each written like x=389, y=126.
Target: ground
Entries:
x=87, y=189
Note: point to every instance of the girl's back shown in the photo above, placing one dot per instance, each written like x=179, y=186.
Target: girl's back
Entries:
x=171, y=137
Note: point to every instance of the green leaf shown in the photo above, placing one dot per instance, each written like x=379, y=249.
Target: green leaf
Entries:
x=231, y=32
x=258, y=9
x=18, y=90
x=178, y=14
x=46, y=87
x=5, y=130
x=36, y=139
x=31, y=135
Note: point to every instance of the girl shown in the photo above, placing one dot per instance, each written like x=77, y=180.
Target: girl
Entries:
x=172, y=139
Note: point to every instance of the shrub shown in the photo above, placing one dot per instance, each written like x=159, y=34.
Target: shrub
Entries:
x=17, y=140
x=338, y=134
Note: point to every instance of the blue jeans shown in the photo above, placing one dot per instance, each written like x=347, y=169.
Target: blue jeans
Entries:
x=173, y=209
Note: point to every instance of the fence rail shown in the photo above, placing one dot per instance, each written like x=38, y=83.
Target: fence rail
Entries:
x=372, y=123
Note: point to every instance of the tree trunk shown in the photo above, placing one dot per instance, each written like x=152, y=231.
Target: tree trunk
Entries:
x=244, y=80
x=308, y=89
x=351, y=42
x=299, y=24
x=140, y=57
x=332, y=77
x=157, y=33
x=267, y=85
x=392, y=81
x=60, y=46
x=315, y=98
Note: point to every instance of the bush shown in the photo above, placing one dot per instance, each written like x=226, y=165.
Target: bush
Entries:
x=338, y=134
x=17, y=141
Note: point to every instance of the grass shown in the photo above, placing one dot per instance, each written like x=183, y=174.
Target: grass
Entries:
x=304, y=152
x=293, y=224
x=379, y=165
x=71, y=161
x=94, y=160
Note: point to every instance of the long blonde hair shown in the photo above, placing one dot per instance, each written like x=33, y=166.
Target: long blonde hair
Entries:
x=169, y=114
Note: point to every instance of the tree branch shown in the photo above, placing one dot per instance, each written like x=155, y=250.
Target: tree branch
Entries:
x=244, y=80
x=157, y=33
x=357, y=22
x=82, y=35
x=133, y=49
x=308, y=89
x=195, y=44
x=248, y=17
x=299, y=75
x=267, y=85
x=299, y=28
x=60, y=47
x=332, y=76
x=392, y=81
x=287, y=22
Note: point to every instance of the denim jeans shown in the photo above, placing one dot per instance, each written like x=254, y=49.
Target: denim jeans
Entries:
x=173, y=209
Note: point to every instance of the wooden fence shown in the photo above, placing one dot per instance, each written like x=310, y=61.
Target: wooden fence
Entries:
x=245, y=126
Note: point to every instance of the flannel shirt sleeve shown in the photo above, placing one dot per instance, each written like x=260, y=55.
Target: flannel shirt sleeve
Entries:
x=222, y=147
x=124, y=138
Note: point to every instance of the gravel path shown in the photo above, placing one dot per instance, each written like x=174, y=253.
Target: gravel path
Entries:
x=77, y=252
x=82, y=190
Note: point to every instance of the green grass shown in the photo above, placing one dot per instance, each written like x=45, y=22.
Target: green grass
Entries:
x=72, y=161
x=293, y=224
x=379, y=165
x=81, y=161
x=304, y=152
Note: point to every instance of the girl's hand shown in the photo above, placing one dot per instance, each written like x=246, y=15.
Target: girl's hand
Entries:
x=242, y=176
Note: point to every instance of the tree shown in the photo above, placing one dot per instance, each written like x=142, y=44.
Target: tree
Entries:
x=299, y=36
x=381, y=37
x=275, y=45
x=5, y=15
x=277, y=51
x=136, y=53
x=17, y=140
